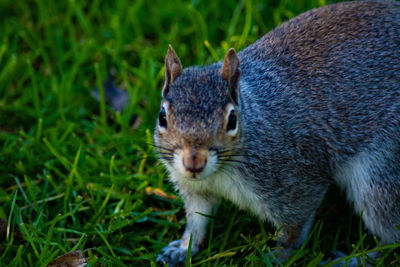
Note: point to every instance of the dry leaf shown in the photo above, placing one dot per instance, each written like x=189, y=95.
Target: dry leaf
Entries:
x=157, y=191
x=71, y=259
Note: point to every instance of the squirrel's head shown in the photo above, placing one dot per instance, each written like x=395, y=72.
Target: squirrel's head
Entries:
x=198, y=127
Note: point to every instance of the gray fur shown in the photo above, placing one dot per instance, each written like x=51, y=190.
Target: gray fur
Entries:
x=319, y=103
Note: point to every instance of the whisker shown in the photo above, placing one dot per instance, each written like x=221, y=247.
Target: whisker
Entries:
x=167, y=158
x=168, y=142
x=166, y=155
x=232, y=160
x=166, y=152
x=230, y=156
x=162, y=147
x=170, y=158
x=223, y=151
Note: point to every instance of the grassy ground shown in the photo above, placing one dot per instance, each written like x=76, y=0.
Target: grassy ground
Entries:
x=76, y=175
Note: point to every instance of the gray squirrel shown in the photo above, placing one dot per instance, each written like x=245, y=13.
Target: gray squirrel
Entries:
x=314, y=102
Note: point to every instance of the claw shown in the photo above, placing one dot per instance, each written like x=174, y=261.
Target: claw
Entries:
x=175, y=243
x=173, y=255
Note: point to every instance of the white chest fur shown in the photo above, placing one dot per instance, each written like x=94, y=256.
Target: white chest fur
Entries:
x=230, y=185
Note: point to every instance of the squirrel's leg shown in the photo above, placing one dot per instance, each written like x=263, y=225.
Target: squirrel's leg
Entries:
x=291, y=237
x=377, y=194
x=372, y=182
x=295, y=217
x=198, y=207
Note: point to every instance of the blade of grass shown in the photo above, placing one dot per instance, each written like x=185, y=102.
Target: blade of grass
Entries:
x=70, y=181
x=189, y=253
x=55, y=153
x=106, y=242
x=30, y=240
x=247, y=24
x=10, y=215
x=103, y=206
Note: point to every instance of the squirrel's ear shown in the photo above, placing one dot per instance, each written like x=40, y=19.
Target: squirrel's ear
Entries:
x=231, y=73
x=173, y=68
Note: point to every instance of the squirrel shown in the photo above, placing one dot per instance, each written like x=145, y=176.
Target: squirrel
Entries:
x=312, y=103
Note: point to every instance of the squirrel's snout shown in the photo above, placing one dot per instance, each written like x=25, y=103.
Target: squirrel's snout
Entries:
x=194, y=167
x=194, y=161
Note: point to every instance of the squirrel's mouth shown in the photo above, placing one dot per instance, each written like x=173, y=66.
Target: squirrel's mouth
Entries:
x=195, y=175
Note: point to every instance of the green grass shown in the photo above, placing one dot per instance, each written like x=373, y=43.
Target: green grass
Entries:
x=73, y=178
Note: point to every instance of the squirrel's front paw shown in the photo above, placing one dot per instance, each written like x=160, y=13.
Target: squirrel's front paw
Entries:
x=174, y=254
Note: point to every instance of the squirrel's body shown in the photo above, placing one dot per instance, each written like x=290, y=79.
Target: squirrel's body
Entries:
x=317, y=102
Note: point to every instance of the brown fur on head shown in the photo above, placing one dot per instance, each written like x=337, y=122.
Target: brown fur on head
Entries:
x=198, y=126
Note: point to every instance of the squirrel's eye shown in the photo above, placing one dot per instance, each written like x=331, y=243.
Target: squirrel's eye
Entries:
x=162, y=118
x=232, y=121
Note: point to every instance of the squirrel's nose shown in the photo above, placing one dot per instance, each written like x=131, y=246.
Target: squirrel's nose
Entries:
x=194, y=161
x=194, y=166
